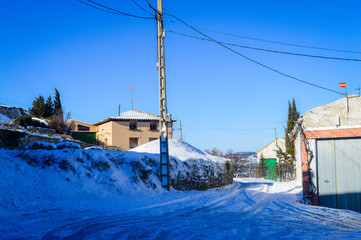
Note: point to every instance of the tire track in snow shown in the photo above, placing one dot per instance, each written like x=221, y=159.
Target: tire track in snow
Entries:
x=243, y=211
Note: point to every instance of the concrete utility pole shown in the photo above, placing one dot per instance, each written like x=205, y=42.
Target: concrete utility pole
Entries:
x=164, y=118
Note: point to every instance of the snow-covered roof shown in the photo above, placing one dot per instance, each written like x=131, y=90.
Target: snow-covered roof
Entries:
x=135, y=115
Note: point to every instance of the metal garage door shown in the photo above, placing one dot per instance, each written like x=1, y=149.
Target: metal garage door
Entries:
x=339, y=173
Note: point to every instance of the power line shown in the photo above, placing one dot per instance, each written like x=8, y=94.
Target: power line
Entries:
x=219, y=43
x=269, y=41
x=135, y=2
x=230, y=129
x=254, y=61
x=268, y=50
x=111, y=10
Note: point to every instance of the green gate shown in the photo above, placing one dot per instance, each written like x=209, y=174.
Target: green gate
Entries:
x=88, y=137
x=271, y=164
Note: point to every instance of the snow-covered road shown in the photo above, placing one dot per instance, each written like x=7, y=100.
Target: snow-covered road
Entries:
x=249, y=209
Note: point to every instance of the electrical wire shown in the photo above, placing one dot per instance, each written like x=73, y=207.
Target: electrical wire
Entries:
x=135, y=2
x=230, y=129
x=111, y=10
x=267, y=50
x=213, y=40
x=269, y=41
x=247, y=58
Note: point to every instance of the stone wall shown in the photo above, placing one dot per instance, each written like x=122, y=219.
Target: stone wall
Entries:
x=200, y=174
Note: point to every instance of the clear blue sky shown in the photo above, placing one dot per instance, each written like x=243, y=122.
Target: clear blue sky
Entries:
x=92, y=57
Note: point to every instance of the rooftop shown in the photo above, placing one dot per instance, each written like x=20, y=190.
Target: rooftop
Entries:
x=131, y=115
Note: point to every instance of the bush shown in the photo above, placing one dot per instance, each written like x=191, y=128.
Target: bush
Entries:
x=26, y=121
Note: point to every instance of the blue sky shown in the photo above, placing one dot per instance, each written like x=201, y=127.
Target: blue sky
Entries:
x=92, y=57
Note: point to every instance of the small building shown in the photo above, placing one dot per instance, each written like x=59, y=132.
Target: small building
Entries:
x=328, y=147
x=269, y=156
x=82, y=131
x=130, y=129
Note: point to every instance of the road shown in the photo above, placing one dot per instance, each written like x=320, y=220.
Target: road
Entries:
x=245, y=210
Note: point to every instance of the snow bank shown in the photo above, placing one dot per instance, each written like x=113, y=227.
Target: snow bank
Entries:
x=181, y=150
x=191, y=168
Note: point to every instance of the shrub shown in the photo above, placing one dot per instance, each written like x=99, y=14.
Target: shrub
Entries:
x=28, y=121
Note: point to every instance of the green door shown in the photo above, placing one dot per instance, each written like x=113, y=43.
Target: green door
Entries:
x=271, y=168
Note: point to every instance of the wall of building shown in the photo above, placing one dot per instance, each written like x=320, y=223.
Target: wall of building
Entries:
x=104, y=134
x=119, y=133
x=341, y=113
x=269, y=152
x=75, y=125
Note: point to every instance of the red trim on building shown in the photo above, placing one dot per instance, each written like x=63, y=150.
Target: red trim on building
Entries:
x=334, y=133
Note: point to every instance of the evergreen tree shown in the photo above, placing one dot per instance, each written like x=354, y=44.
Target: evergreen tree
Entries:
x=57, y=121
x=49, y=108
x=57, y=102
x=293, y=115
x=38, y=107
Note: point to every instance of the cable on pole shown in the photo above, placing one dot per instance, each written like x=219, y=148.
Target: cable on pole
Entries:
x=145, y=10
x=254, y=61
x=267, y=50
x=111, y=10
x=269, y=41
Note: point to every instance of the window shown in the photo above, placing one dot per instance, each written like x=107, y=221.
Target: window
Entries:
x=133, y=142
x=132, y=125
x=153, y=126
x=152, y=139
x=83, y=128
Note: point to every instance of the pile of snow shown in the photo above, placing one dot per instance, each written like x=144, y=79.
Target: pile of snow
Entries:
x=40, y=145
x=63, y=145
x=180, y=150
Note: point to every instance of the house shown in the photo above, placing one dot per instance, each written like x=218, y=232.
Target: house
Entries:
x=328, y=147
x=83, y=131
x=125, y=131
x=269, y=156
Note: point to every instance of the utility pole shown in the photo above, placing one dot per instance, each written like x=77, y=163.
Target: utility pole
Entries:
x=164, y=118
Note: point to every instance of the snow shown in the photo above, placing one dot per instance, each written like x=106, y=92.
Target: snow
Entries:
x=44, y=121
x=179, y=150
x=136, y=115
x=43, y=202
x=4, y=119
x=63, y=145
x=40, y=145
